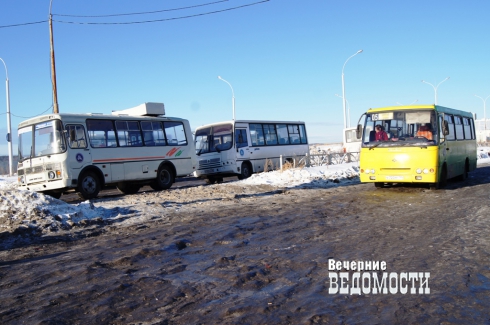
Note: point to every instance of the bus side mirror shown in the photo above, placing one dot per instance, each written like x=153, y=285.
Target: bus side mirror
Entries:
x=359, y=131
x=445, y=128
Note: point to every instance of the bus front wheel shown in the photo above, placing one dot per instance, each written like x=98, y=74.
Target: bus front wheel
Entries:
x=54, y=194
x=246, y=171
x=379, y=184
x=89, y=185
x=466, y=169
x=210, y=180
x=442, y=180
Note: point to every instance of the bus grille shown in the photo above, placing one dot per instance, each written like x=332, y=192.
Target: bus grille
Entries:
x=396, y=170
x=209, y=163
x=34, y=170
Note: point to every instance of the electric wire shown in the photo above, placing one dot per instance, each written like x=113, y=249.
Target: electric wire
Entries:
x=141, y=13
x=140, y=22
x=160, y=20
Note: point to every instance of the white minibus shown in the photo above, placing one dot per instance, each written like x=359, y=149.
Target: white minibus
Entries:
x=82, y=153
x=242, y=147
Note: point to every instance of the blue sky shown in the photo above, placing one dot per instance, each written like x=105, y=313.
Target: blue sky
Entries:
x=283, y=58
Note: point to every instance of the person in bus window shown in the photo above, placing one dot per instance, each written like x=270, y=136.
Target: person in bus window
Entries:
x=425, y=131
x=381, y=135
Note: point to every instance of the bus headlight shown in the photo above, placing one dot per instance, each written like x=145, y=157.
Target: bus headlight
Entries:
x=21, y=179
x=51, y=175
x=418, y=171
x=426, y=171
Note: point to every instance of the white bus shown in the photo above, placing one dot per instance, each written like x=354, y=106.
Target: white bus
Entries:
x=240, y=148
x=82, y=153
x=351, y=144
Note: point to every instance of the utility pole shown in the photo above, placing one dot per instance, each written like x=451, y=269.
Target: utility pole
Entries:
x=53, y=67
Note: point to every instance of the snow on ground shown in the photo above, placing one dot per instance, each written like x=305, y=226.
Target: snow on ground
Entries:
x=26, y=212
x=38, y=214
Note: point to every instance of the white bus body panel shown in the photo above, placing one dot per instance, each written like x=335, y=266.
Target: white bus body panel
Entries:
x=229, y=162
x=116, y=164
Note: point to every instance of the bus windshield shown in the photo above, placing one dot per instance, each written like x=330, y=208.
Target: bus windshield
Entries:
x=41, y=139
x=214, y=139
x=402, y=128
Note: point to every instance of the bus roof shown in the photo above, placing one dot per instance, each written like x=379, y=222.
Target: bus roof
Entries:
x=74, y=117
x=418, y=107
x=249, y=121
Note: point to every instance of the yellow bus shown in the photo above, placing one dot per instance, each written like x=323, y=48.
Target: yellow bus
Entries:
x=422, y=144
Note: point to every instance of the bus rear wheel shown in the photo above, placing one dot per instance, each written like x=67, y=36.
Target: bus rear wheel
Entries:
x=128, y=188
x=89, y=186
x=164, y=180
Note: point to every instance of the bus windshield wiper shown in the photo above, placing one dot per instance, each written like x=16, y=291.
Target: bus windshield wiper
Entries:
x=375, y=145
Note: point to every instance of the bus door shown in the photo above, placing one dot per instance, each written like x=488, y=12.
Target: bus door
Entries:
x=443, y=143
x=79, y=153
x=241, y=144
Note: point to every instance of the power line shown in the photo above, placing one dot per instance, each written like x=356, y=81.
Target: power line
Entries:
x=23, y=24
x=33, y=115
x=141, y=22
x=165, y=19
x=142, y=13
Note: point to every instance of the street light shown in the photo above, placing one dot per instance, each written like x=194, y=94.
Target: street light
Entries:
x=232, y=93
x=343, y=87
x=348, y=109
x=484, y=111
x=9, y=129
x=435, y=88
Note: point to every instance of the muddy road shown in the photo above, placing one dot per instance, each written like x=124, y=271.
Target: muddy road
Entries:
x=260, y=255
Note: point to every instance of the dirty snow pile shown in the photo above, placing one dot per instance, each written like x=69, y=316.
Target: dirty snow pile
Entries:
x=28, y=213
x=31, y=213
x=318, y=177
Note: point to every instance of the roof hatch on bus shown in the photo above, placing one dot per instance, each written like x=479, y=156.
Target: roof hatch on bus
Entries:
x=146, y=109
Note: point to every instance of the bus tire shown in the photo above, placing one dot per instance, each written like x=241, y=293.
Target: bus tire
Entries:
x=54, y=194
x=164, y=180
x=379, y=184
x=466, y=169
x=442, y=179
x=128, y=188
x=89, y=185
x=210, y=180
x=246, y=171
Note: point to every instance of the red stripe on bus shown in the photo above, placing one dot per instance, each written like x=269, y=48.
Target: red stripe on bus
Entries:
x=125, y=159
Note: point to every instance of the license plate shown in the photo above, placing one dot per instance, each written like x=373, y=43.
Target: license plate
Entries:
x=394, y=178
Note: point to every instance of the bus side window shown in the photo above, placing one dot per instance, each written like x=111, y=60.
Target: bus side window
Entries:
x=76, y=136
x=241, y=138
x=175, y=133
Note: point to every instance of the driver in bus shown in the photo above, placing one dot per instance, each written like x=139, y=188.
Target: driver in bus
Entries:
x=425, y=131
